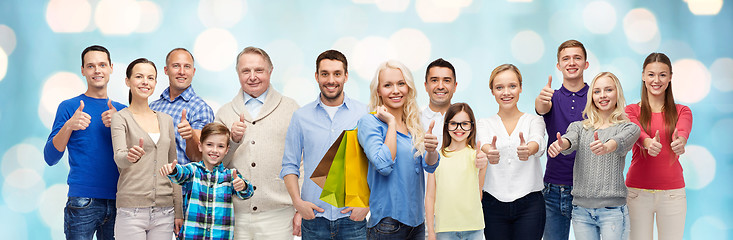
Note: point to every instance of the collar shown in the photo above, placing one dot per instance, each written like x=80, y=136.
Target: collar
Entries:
x=580, y=92
x=186, y=95
x=218, y=168
x=261, y=98
x=430, y=114
x=346, y=103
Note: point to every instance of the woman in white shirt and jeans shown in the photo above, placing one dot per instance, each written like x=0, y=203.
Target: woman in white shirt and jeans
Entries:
x=512, y=201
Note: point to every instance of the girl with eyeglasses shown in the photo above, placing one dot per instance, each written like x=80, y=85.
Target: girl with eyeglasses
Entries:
x=513, y=205
x=452, y=199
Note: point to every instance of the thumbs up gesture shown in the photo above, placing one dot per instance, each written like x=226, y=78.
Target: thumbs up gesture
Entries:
x=80, y=120
x=558, y=146
x=492, y=154
x=238, y=129
x=598, y=147
x=654, y=145
x=136, y=152
x=431, y=141
x=237, y=183
x=107, y=115
x=678, y=143
x=481, y=160
x=523, y=149
x=545, y=96
x=184, y=128
x=168, y=169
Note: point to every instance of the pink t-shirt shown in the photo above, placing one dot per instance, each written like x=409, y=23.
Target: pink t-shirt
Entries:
x=664, y=171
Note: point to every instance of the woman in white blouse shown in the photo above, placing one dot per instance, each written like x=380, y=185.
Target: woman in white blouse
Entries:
x=512, y=199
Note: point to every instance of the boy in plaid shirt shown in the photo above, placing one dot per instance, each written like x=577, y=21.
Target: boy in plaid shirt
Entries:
x=210, y=212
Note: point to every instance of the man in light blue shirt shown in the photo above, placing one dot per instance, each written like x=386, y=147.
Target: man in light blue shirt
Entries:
x=312, y=130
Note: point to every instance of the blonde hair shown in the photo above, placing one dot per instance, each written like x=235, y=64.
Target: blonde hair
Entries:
x=410, y=110
x=502, y=68
x=591, y=114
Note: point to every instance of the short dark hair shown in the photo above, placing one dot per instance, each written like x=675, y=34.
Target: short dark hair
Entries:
x=571, y=43
x=128, y=72
x=440, y=62
x=95, y=48
x=332, y=55
x=177, y=49
x=213, y=129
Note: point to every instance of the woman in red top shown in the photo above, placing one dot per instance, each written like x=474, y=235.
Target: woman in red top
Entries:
x=655, y=181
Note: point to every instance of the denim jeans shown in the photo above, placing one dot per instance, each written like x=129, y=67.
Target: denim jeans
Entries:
x=611, y=223
x=462, y=235
x=391, y=229
x=523, y=218
x=558, y=209
x=342, y=228
x=85, y=216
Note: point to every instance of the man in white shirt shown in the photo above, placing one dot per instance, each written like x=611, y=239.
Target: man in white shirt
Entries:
x=440, y=83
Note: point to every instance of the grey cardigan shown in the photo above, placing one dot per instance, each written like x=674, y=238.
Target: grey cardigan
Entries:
x=598, y=181
x=140, y=184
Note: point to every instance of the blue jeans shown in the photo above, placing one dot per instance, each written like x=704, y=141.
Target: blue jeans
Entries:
x=85, y=216
x=558, y=207
x=523, y=218
x=391, y=229
x=593, y=223
x=462, y=235
x=342, y=228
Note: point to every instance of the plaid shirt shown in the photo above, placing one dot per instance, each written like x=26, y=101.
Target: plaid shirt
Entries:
x=210, y=211
x=198, y=114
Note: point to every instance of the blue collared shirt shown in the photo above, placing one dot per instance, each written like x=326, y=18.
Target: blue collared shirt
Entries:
x=310, y=135
x=397, y=187
x=198, y=114
x=253, y=104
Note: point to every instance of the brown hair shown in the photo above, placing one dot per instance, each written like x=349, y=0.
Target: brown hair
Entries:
x=214, y=128
x=332, y=55
x=501, y=68
x=669, y=109
x=449, y=114
x=571, y=43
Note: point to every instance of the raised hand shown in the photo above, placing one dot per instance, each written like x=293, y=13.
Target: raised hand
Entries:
x=136, y=152
x=80, y=120
x=384, y=115
x=431, y=141
x=107, y=115
x=237, y=183
x=481, y=160
x=493, y=154
x=184, y=128
x=556, y=147
x=678, y=143
x=598, y=147
x=545, y=96
x=655, y=145
x=168, y=169
x=238, y=129
x=523, y=149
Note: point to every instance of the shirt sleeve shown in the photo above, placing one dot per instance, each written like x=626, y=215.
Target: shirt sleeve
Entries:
x=483, y=132
x=371, y=137
x=119, y=141
x=626, y=137
x=537, y=134
x=684, y=121
x=293, y=149
x=183, y=174
x=50, y=153
x=202, y=116
x=573, y=135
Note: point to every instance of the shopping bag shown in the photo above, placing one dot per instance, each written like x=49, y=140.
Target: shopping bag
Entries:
x=333, y=189
x=321, y=172
x=355, y=168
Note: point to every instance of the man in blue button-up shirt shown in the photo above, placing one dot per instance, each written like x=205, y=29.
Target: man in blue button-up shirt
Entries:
x=313, y=128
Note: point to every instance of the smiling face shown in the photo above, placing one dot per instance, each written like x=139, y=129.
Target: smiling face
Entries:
x=656, y=78
x=254, y=74
x=180, y=70
x=142, y=80
x=213, y=149
x=392, y=88
x=572, y=62
x=96, y=69
x=459, y=127
x=440, y=85
x=331, y=77
x=605, y=95
x=506, y=89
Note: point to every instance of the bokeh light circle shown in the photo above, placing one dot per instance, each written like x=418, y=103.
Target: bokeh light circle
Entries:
x=690, y=80
x=58, y=87
x=527, y=47
x=721, y=72
x=215, y=49
x=599, y=17
x=699, y=166
x=68, y=16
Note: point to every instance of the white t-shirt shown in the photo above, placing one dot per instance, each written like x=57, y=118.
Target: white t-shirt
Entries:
x=155, y=137
x=331, y=110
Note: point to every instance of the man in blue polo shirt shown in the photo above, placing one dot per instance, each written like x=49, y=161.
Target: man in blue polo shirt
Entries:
x=313, y=128
x=82, y=126
x=559, y=109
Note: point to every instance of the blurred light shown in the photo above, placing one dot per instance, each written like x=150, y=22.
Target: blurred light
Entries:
x=13, y=225
x=644, y=48
x=117, y=17
x=17, y=157
x=221, y=13
x=640, y=25
x=412, y=46
x=364, y=1
x=302, y=90
x=21, y=190
x=287, y=59
x=59, y=87
x=464, y=74
x=369, y=53
x=392, y=5
x=690, y=81
x=699, y=167
x=438, y=11
x=704, y=7
x=68, y=16
x=562, y=27
x=709, y=228
x=52, y=205
x=216, y=49
x=150, y=15
x=3, y=64
x=527, y=47
x=7, y=40
x=599, y=17
x=721, y=72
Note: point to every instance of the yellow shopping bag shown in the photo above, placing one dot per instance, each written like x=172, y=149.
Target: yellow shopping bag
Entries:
x=356, y=167
x=342, y=173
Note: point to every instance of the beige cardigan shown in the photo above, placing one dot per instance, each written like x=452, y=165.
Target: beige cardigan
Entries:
x=258, y=156
x=140, y=184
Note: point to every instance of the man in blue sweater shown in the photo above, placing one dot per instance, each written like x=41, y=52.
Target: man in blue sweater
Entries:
x=82, y=125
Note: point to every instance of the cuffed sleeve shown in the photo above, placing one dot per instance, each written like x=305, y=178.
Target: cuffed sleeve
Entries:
x=247, y=192
x=684, y=121
x=573, y=136
x=293, y=149
x=537, y=134
x=626, y=137
x=371, y=133
x=426, y=167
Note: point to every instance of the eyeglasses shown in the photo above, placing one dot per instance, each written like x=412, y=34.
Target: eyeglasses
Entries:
x=452, y=126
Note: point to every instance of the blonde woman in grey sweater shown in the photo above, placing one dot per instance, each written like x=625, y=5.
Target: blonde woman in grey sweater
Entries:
x=601, y=140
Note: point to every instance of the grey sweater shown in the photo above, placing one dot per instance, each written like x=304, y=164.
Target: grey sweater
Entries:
x=598, y=181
